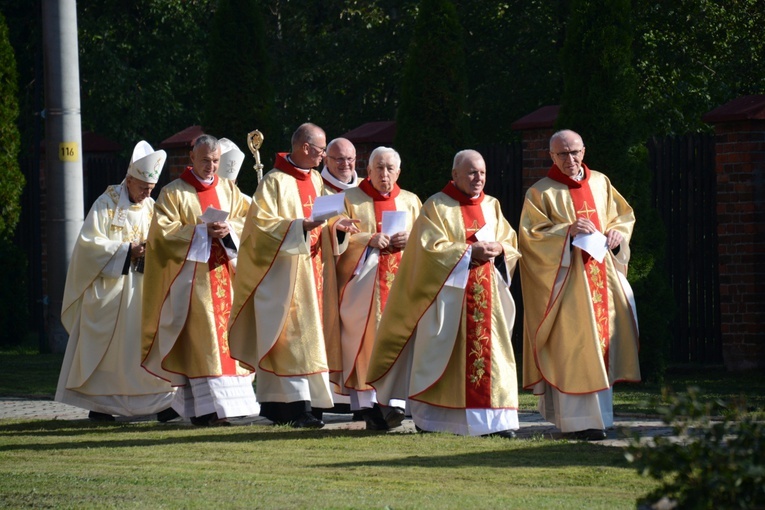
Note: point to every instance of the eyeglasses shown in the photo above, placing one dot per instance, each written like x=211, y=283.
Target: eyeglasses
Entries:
x=340, y=161
x=566, y=154
x=321, y=150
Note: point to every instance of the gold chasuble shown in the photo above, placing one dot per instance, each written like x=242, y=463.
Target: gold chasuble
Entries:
x=365, y=276
x=284, y=320
x=580, y=327
x=187, y=304
x=444, y=336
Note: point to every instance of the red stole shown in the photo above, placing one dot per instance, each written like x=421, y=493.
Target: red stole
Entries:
x=389, y=258
x=308, y=196
x=477, y=307
x=220, y=278
x=584, y=206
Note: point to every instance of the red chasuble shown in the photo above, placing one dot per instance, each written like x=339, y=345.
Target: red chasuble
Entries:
x=477, y=307
x=220, y=278
x=390, y=258
x=308, y=195
x=584, y=206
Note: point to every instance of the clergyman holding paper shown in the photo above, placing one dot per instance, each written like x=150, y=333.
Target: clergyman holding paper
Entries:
x=580, y=328
x=284, y=319
x=193, y=240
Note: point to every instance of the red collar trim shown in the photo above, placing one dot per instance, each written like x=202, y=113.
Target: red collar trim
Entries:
x=283, y=164
x=189, y=177
x=366, y=187
x=556, y=174
x=451, y=190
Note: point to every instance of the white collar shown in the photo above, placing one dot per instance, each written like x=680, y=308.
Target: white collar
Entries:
x=327, y=176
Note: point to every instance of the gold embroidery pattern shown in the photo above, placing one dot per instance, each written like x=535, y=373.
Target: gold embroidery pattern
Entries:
x=472, y=229
x=220, y=287
x=477, y=332
x=599, y=295
x=318, y=275
x=389, y=264
x=586, y=211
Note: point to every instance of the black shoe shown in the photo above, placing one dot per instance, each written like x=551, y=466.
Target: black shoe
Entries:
x=394, y=416
x=507, y=434
x=210, y=420
x=166, y=415
x=374, y=418
x=307, y=421
x=96, y=416
x=586, y=435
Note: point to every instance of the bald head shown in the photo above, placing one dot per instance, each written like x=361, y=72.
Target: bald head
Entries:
x=309, y=144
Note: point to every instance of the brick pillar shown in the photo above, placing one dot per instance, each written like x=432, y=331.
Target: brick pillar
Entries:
x=537, y=128
x=740, y=167
x=178, y=147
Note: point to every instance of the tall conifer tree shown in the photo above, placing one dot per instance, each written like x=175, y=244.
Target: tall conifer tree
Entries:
x=239, y=95
x=430, y=122
x=13, y=299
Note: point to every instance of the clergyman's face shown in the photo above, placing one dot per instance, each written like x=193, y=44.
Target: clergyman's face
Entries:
x=316, y=148
x=567, y=152
x=384, y=172
x=204, y=162
x=470, y=176
x=137, y=189
x=341, y=161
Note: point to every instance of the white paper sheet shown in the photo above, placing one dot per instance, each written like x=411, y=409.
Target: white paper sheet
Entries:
x=485, y=234
x=393, y=222
x=594, y=244
x=213, y=215
x=327, y=206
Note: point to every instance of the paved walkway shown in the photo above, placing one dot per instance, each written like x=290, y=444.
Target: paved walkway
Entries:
x=531, y=423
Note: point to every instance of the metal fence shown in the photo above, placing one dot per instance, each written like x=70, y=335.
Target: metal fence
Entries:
x=504, y=181
x=685, y=196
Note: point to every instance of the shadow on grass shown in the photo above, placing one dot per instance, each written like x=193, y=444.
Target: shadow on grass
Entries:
x=501, y=453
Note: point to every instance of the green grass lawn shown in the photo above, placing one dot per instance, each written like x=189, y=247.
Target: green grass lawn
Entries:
x=78, y=464
x=56, y=464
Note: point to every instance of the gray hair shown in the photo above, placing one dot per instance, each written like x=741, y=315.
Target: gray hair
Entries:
x=208, y=141
x=379, y=151
x=462, y=155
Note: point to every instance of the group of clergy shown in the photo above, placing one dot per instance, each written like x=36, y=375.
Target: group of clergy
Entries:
x=396, y=307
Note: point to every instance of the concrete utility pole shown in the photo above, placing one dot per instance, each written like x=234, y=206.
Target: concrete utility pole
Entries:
x=63, y=154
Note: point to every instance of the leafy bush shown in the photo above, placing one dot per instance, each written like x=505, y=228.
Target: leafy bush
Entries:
x=716, y=458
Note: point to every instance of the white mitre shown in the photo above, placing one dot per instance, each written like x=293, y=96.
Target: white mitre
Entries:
x=146, y=163
x=231, y=159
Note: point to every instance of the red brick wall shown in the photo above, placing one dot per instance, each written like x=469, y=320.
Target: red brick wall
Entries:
x=536, y=155
x=741, y=237
x=177, y=161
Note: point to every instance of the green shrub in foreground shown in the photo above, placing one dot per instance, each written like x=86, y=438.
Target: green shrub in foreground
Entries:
x=719, y=461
